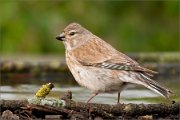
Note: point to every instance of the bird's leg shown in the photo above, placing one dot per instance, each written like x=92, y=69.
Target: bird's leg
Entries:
x=92, y=96
x=118, y=97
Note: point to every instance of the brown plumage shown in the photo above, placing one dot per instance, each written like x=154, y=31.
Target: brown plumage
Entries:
x=98, y=66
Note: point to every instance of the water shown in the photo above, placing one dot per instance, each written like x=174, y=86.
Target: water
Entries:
x=23, y=86
x=79, y=93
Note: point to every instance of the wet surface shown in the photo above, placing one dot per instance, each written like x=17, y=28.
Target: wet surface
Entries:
x=22, y=86
x=79, y=93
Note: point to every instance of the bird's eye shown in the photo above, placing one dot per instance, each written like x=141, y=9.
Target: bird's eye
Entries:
x=72, y=33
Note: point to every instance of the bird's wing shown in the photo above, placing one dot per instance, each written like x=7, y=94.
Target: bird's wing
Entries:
x=100, y=54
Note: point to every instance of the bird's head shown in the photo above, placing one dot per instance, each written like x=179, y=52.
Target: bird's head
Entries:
x=74, y=35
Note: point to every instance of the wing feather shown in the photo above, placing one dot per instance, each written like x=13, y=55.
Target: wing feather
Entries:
x=98, y=53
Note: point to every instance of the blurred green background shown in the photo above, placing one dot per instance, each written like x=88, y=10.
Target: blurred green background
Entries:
x=30, y=27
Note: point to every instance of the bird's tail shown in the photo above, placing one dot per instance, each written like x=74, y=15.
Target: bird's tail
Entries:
x=149, y=83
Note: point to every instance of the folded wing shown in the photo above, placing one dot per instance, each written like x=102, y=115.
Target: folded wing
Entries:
x=100, y=54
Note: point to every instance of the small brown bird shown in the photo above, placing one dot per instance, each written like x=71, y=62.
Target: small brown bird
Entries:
x=99, y=67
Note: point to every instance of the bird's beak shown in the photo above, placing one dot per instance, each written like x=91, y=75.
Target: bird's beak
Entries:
x=61, y=37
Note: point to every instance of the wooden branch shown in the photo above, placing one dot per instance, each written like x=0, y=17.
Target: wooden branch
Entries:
x=12, y=104
x=74, y=110
x=126, y=109
x=93, y=109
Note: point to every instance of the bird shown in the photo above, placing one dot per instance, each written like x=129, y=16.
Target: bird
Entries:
x=101, y=68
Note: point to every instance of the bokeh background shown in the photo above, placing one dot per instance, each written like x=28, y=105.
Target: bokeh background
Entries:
x=30, y=27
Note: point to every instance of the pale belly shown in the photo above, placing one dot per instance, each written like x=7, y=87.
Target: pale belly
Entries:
x=97, y=79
